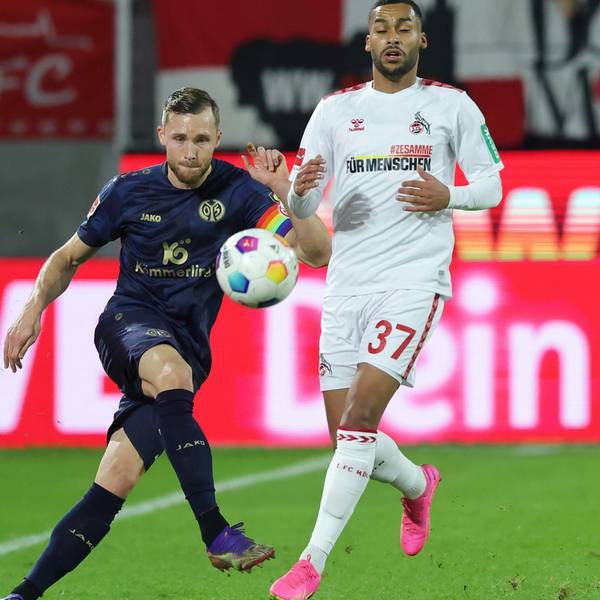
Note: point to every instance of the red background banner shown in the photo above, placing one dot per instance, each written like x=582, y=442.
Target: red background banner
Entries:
x=514, y=359
x=211, y=40
x=56, y=69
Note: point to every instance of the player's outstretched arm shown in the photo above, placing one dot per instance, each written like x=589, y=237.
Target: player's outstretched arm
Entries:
x=309, y=237
x=52, y=280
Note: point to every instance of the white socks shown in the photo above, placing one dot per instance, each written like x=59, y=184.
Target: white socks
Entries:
x=391, y=466
x=345, y=482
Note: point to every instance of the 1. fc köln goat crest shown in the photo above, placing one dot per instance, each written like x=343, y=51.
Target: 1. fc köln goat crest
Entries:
x=419, y=125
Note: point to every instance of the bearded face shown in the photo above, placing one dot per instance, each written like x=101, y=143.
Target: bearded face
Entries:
x=190, y=141
x=190, y=173
x=393, y=63
x=395, y=40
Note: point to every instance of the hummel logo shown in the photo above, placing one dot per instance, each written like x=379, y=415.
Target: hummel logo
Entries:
x=357, y=125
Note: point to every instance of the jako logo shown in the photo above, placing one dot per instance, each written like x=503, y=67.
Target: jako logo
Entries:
x=190, y=445
x=357, y=125
x=150, y=218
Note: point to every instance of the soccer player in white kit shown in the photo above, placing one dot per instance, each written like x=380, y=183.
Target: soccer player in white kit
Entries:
x=392, y=145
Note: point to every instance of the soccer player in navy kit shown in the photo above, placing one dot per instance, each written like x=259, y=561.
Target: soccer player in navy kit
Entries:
x=153, y=336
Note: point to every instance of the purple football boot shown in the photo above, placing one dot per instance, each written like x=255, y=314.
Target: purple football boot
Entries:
x=233, y=549
x=13, y=597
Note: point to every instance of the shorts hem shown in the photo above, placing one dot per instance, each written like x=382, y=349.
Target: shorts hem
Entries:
x=334, y=384
x=401, y=380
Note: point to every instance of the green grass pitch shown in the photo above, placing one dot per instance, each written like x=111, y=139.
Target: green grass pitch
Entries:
x=508, y=522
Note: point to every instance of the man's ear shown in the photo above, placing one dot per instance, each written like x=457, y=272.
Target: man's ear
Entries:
x=161, y=135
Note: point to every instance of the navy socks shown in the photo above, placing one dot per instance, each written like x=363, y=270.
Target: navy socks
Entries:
x=73, y=538
x=86, y=524
x=28, y=591
x=189, y=453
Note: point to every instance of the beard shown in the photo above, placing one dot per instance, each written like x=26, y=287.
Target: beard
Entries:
x=190, y=176
x=396, y=72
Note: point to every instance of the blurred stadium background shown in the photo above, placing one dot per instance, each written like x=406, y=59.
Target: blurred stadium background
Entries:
x=516, y=357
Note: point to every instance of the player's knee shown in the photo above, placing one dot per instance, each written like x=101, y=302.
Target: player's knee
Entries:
x=358, y=416
x=174, y=376
x=119, y=478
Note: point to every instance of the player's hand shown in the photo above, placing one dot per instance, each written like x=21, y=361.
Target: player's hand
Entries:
x=310, y=175
x=21, y=335
x=427, y=195
x=265, y=165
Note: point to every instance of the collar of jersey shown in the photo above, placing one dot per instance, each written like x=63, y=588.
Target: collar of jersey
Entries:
x=401, y=94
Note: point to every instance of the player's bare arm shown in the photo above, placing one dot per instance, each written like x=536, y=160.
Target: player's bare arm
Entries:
x=52, y=280
x=309, y=237
x=425, y=195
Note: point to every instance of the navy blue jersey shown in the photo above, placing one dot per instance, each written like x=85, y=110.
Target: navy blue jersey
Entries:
x=170, y=239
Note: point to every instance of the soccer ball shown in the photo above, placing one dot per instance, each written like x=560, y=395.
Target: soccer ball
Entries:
x=257, y=268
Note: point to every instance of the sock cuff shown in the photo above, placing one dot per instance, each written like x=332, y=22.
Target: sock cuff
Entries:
x=28, y=590
x=104, y=499
x=175, y=403
x=171, y=395
x=356, y=437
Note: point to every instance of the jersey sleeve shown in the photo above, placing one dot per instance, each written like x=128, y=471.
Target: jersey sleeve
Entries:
x=315, y=140
x=264, y=210
x=103, y=221
x=474, y=147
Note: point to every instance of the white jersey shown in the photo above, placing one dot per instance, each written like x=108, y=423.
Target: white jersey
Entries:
x=372, y=142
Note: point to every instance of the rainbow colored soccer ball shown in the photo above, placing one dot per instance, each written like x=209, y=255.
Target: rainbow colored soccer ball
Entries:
x=257, y=268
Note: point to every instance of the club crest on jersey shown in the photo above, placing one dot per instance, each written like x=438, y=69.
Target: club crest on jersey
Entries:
x=158, y=333
x=211, y=210
x=357, y=125
x=324, y=366
x=419, y=125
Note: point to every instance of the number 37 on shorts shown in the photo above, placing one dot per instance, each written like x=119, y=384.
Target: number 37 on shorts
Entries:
x=393, y=343
x=387, y=330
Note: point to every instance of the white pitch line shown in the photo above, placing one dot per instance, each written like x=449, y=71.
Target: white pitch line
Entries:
x=150, y=506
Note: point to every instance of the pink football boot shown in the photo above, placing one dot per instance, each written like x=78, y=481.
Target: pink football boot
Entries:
x=414, y=530
x=299, y=583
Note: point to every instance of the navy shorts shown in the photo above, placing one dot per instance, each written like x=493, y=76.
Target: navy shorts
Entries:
x=121, y=338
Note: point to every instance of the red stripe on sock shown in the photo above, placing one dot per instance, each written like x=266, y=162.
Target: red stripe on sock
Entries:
x=360, y=436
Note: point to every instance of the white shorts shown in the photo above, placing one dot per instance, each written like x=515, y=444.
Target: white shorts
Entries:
x=386, y=330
